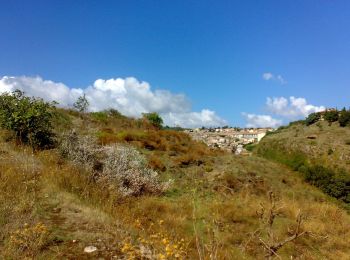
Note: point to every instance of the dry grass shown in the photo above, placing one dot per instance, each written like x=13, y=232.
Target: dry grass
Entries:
x=21, y=234
x=220, y=211
x=327, y=138
x=210, y=212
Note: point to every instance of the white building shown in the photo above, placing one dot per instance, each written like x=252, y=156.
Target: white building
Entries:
x=250, y=135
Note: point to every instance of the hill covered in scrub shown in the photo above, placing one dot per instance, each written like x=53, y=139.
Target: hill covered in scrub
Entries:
x=319, y=150
x=101, y=185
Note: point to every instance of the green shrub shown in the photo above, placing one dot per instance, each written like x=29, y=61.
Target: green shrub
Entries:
x=335, y=184
x=331, y=116
x=154, y=118
x=29, y=118
x=344, y=118
x=312, y=118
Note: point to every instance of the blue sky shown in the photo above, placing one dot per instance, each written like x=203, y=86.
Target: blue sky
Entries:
x=214, y=52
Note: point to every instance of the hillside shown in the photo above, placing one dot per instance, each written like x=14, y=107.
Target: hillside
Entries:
x=56, y=202
x=320, y=149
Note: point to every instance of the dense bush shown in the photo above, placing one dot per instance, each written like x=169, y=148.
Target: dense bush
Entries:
x=81, y=150
x=344, y=117
x=154, y=118
x=331, y=116
x=312, y=118
x=335, y=184
x=29, y=118
x=128, y=169
x=119, y=166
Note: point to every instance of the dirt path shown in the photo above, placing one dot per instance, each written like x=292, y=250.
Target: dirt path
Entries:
x=76, y=226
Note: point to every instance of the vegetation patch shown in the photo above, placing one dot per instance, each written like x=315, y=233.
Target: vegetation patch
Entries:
x=250, y=147
x=335, y=183
x=99, y=189
x=120, y=167
x=28, y=118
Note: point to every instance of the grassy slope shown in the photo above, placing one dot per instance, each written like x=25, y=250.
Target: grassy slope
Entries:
x=331, y=147
x=320, y=152
x=210, y=209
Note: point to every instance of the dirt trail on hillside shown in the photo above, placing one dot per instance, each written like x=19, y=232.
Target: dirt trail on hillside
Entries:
x=76, y=226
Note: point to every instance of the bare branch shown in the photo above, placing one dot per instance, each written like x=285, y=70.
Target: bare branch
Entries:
x=272, y=246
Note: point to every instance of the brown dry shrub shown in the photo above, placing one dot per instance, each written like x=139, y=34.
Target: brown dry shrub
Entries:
x=158, y=140
x=105, y=138
x=155, y=163
x=189, y=159
x=120, y=167
x=232, y=181
x=126, y=168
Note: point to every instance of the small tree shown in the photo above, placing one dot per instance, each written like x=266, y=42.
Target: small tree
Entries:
x=154, y=118
x=312, y=118
x=29, y=118
x=344, y=117
x=81, y=104
x=331, y=116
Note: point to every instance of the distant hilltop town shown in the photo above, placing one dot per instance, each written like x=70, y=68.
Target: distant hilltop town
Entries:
x=230, y=139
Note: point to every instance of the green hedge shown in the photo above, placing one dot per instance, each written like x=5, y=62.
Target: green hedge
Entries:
x=334, y=183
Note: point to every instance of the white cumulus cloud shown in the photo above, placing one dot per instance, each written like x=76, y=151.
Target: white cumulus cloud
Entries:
x=271, y=76
x=293, y=108
x=254, y=120
x=36, y=86
x=205, y=117
x=285, y=109
x=130, y=96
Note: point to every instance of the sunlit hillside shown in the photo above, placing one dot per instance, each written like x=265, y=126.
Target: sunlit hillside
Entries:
x=319, y=152
x=116, y=187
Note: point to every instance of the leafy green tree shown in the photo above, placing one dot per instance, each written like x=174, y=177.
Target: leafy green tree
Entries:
x=312, y=118
x=344, y=117
x=81, y=104
x=154, y=118
x=29, y=118
x=331, y=116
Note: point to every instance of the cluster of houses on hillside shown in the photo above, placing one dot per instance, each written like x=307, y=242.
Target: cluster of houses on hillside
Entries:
x=229, y=139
